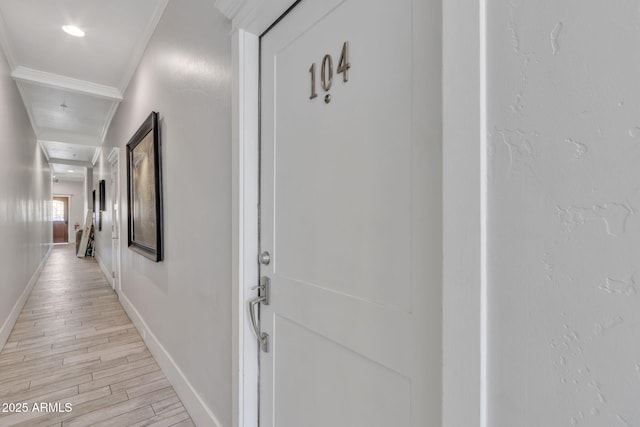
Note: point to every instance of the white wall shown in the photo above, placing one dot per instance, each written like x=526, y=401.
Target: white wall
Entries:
x=185, y=301
x=75, y=191
x=88, y=190
x=25, y=201
x=564, y=198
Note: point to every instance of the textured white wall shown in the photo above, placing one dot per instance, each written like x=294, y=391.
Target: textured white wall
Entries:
x=75, y=189
x=25, y=197
x=185, y=300
x=564, y=197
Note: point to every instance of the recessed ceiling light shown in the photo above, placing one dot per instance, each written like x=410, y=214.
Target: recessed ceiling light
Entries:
x=70, y=170
x=73, y=30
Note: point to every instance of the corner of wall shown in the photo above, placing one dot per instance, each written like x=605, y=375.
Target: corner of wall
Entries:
x=105, y=270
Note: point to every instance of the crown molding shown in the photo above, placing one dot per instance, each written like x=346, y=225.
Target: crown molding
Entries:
x=68, y=162
x=69, y=178
x=254, y=16
x=96, y=156
x=139, y=49
x=4, y=43
x=230, y=8
x=107, y=122
x=44, y=149
x=27, y=106
x=56, y=81
x=55, y=135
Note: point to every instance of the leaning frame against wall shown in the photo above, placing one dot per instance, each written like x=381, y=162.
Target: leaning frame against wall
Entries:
x=144, y=190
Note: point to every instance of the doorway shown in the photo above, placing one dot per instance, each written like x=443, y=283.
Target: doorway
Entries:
x=60, y=219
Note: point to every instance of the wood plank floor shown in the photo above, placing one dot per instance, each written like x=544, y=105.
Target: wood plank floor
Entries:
x=75, y=359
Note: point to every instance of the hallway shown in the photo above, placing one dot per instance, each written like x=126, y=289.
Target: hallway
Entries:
x=74, y=345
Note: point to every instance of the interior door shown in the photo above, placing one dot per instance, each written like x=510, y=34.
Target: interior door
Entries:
x=346, y=199
x=60, y=220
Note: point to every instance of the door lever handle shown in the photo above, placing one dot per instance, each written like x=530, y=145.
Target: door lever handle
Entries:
x=263, y=338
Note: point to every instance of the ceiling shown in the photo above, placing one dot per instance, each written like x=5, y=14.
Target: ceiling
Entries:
x=71, y=86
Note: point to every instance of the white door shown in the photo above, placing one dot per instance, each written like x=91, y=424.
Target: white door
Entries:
x=346, y=200
x=115, y=226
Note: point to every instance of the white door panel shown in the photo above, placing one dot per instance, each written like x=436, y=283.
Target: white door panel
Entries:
x=345, y=383
x=360, y=191
x=341, y=185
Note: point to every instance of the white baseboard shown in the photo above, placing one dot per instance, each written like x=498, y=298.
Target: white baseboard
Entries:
x=7, y=327
x=107, y=271
x=200, y=413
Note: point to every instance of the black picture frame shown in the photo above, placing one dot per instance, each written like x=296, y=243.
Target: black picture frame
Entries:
x=102, y=193
x=94, y=210
x=144, y=190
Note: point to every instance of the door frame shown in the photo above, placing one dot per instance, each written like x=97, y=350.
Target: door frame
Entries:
x=250, y=19
x=68, y=197
x=465, y=347
x=464, y=190
x=114, y=161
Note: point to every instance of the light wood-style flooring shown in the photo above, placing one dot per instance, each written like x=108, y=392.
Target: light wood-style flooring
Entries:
x=75, y=359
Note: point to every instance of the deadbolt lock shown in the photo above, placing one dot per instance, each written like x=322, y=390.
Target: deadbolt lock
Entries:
x=264, y=258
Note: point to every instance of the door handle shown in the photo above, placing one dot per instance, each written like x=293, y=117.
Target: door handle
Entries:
x=265, y=298
x=263, y=338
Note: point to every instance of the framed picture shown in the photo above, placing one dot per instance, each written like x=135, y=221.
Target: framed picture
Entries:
x=144, y=190
x=103, y=196
x=94, y=210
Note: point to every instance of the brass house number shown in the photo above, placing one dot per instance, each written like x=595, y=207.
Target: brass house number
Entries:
x=326, y=72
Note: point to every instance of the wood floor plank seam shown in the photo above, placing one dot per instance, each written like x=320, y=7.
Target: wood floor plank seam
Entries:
x=75, y=359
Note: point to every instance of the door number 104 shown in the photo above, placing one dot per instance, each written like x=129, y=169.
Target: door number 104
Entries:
x=326, y=72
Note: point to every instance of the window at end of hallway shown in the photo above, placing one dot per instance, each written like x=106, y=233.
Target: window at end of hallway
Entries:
x=58, y=210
